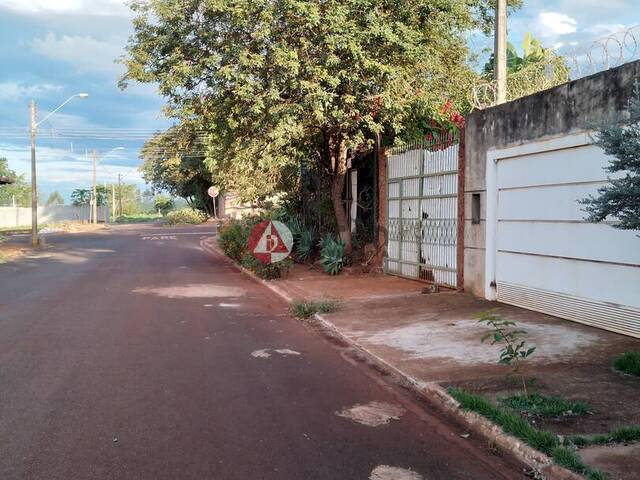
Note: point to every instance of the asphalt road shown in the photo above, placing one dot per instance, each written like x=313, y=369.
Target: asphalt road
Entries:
x=128, y=355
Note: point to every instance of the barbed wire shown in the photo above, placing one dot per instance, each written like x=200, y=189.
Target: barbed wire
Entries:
x=563, y=66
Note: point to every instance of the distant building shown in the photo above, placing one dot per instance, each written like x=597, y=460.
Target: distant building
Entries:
x=5, y=181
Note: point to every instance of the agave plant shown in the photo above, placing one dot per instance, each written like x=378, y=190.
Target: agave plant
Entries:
x=332, y=255
x=305, y=244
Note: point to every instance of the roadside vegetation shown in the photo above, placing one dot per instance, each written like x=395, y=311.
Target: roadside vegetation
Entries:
x=628, y=362
x=536, y=405
x=304, y=309
x=138, y=218
x=185, y=216
x=619, y=435
x=515, y=424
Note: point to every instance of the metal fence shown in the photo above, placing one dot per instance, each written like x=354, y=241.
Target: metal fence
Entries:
x=422, y=212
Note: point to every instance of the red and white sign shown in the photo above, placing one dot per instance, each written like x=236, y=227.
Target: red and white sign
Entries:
x=270, y=241
x=213, y=192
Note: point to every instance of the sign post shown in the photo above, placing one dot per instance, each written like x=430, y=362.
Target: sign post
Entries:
x=213, y=193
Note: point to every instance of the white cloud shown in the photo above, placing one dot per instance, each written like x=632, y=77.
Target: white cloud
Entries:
x=80, y=7
x=555, y=23
x=601, y=29
x=14, y=91
x=85, y=53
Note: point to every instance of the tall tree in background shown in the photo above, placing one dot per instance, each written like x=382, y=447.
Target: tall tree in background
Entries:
x=267, y=80
x=620, y=198
x=174, y=161
x=19, y=190
x=55, y=199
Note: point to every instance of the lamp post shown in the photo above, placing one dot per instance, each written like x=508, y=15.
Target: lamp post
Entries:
x=34, y=187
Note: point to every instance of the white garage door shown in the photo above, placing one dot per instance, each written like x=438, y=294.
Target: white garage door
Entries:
x=547, y=258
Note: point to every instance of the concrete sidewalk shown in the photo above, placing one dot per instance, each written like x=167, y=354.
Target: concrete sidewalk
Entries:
x=435, y=338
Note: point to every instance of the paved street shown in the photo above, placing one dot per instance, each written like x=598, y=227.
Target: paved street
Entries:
x=133, y=354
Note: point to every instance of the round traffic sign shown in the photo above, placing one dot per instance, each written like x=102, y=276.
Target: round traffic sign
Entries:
x=213, y=192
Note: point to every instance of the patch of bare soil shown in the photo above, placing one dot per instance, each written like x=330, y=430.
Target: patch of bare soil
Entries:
x=9, y=252
x=621, y=462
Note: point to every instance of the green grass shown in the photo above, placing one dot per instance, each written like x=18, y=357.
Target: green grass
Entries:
x=628, y=362
x=542, y=406
x=620, y=435
x=138, y=218
x=304, y=309
x=514, y=424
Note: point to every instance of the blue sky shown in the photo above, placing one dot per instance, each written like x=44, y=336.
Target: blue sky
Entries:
x=52, y=49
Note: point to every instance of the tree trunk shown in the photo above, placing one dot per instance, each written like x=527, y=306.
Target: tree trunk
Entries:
x=337, y=187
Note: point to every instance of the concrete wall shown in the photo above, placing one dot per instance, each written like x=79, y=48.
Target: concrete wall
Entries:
x=21, y=217
x=564, y=110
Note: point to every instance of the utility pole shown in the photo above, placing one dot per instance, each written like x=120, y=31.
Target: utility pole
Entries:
x=94, y=204
x=34, y=187
x=120, y=194
x=500, y=51
x=113, y=201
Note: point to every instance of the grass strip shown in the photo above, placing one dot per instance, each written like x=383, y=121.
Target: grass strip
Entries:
x=304, y=309
x=512, y=423
x=543, y=406
x=619, y=435
x=628, y=362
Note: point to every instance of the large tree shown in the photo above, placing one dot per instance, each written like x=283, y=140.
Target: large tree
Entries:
x=268, y=81
x=19, y=190
x=174, y=162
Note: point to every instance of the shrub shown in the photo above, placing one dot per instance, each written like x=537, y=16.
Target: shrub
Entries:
x=628, y=362
x=303, y=309
x=267, y=271
x=332, y=255
x=232, y=239
x=514, y=346
x=186, y=215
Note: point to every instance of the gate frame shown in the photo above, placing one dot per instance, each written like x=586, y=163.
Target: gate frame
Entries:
x=455, y=139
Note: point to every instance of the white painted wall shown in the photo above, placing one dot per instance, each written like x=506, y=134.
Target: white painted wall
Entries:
x=541, y=254
x=21, y=217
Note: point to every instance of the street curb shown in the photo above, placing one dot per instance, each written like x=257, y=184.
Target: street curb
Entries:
x=432, y=392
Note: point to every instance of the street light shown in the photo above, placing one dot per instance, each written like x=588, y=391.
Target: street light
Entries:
x=34, y=188
x=94, y=199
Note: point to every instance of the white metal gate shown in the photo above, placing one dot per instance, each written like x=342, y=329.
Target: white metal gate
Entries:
x=422, y=213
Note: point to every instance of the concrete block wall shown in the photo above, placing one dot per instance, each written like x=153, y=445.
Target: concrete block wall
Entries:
x=564, y=110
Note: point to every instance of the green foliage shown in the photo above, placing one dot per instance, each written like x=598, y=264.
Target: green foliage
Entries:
x=628, y=362
x=82, y=196
x=542, y=406
x=332, y=254
x=185, y=215
x=304, y=309
x=269, y=84
x=174, y=162
x=512, y=423
x=305, y=244
x=619, y=435
x=620, y=198
x=19, y=190
x=267, y=271
x=55, y=199
x=163, y=204
x=514, y=348
x=138, y=218
x=232, y=239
